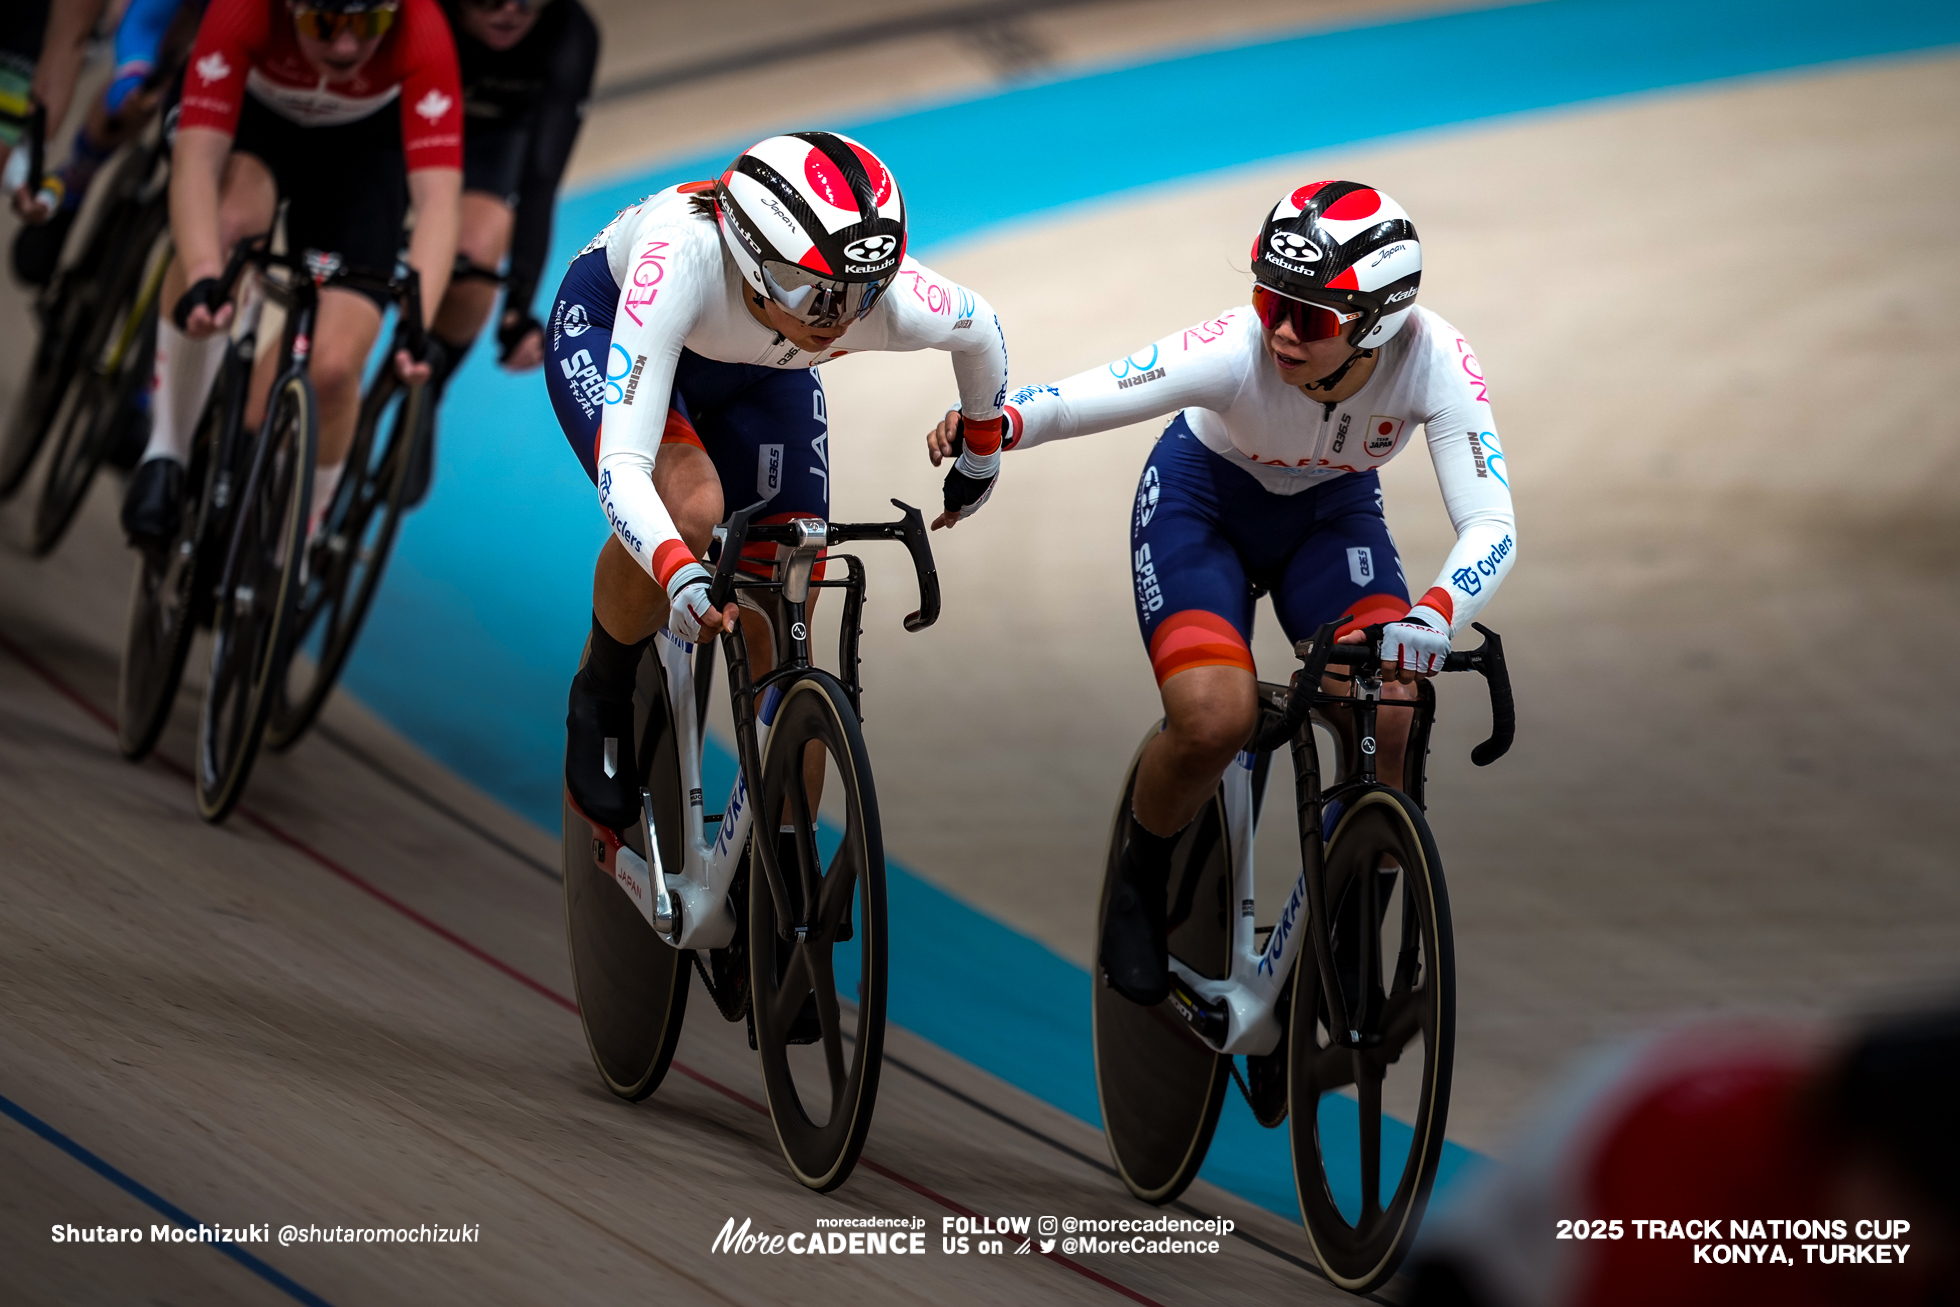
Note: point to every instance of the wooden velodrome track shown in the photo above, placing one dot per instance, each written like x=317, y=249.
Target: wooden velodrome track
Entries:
x=1733, y=450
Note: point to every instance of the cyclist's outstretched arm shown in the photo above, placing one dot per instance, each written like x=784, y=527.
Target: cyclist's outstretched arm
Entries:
x=560, y=116
x=1192, y=368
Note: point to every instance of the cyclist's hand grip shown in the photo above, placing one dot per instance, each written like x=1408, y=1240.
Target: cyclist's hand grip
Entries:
x=733, y=539
x=1503, y=710
x=913, y=533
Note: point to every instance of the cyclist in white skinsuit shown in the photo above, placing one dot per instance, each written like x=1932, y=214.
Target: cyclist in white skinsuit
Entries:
x=683, y=345
x=1266, y=479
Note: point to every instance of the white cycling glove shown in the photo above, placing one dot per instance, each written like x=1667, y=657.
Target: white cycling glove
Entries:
x=1418, y=642
x=687, y=595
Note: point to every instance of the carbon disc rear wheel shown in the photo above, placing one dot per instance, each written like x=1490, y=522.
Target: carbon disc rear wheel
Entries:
x=631, y=985
x=1159, y=1086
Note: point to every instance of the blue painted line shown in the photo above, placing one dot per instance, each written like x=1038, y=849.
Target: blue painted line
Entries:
x=473, y=639
x=150, y=1198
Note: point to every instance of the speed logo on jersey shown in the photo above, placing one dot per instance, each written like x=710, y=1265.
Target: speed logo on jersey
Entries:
x=1148, y=491
x=1383, y=432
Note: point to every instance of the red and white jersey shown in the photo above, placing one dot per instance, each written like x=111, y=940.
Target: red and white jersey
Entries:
x=679, y=288
x=250, y=46
x=1220, y=375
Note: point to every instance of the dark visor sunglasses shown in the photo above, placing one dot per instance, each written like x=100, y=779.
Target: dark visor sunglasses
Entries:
x=1310, y=321
x=326, y=24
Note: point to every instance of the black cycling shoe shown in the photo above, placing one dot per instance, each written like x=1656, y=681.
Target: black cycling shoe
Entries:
x=1135, y=955
x=37, y=250
x=599, y=762
x=154, y=503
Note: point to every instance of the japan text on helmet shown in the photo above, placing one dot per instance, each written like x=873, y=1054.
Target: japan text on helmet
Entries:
x=1342, y=243
x=815, y=222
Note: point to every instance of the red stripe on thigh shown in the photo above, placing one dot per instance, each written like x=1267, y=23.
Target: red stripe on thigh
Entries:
x=1196, y=638
x=1370, y=609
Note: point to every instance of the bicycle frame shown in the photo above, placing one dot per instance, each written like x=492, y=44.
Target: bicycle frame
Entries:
x=689, y=906
x=1237, y=1015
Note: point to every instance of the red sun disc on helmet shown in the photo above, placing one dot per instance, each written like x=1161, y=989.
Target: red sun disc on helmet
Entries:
x=827, y=179
x=1354, y=206
x=881, y=181
x=1300, y=197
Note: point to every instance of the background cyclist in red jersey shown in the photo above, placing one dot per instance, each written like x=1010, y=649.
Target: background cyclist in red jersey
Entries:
x=347, y=110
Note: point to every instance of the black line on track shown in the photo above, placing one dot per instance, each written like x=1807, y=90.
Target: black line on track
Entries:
x=974, y=18
x=407, y=786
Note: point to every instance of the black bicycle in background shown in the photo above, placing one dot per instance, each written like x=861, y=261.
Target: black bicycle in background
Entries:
x=242, y=562
x=84, y=396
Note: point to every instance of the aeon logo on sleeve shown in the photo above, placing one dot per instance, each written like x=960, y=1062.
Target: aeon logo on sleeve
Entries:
x=433, y=105
x=213, y=68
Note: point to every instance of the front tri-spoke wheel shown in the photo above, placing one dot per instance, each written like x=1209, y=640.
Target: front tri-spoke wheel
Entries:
x=257, y=598
x=350, y=551
x=817, y=964
x=1369, y=1072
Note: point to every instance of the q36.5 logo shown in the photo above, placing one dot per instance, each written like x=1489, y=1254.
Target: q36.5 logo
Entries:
x=871, y=249
x=1292, y=245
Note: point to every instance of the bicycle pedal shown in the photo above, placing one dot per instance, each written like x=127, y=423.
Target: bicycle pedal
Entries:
x=808, y=1026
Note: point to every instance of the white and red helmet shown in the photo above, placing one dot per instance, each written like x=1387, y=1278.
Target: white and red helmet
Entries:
x=1345, y=245
x=815, y=222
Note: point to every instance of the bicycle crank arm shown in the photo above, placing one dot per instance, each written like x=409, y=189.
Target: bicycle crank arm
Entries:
x=666, y=919
x=1210, y=1020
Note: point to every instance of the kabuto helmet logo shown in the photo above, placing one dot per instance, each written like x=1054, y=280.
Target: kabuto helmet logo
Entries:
x=871, y=249
x=1292, y=245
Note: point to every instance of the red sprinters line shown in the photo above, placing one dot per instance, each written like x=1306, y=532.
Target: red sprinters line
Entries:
x=293, y=842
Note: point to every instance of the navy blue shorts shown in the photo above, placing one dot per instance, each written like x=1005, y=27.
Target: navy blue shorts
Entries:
x=765, y=429
x=1206, y=540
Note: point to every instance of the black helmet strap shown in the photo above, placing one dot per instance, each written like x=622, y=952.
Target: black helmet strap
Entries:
x=1333, y=378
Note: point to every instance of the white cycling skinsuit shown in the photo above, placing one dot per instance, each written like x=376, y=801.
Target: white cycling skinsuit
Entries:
x=680, y=289
x=1221, y=375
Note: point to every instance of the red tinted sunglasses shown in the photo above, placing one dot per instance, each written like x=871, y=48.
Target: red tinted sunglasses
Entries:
x=1310, y=321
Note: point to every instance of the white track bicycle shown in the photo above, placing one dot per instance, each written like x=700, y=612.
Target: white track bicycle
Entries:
x=787, y=931
x=1373, y=1009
